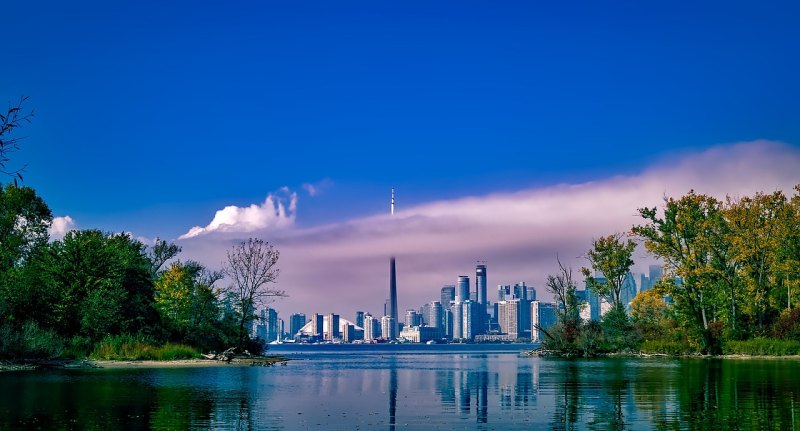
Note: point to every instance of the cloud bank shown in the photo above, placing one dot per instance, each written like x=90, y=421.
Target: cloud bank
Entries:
x=277, y=211
x=60, y=226
x=343, y=267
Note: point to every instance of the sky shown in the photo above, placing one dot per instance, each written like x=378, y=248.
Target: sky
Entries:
x=512, y=131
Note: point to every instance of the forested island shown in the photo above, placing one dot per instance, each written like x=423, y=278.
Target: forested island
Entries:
x=730, y=284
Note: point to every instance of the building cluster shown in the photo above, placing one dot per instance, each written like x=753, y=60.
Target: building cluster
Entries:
x=462, y=313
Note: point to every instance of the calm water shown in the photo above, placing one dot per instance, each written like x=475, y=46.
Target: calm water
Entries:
x=413, y=387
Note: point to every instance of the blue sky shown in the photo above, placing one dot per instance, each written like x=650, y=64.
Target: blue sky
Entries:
x=152, y=116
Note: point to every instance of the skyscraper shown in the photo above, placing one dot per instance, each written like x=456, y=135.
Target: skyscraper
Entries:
x=388, y=327
x=462, y=288
x=360, y=318
x=317, y=323
x=481, y=325
x=448, y=295
x=332, y=321
x=296, y=321
x=480, y=283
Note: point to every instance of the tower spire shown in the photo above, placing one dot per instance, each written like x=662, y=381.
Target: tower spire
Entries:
x=392, y=200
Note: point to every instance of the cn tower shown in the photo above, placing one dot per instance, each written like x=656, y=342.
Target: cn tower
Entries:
x=393, y=288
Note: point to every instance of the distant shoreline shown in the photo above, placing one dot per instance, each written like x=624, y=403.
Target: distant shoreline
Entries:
x=264, y=361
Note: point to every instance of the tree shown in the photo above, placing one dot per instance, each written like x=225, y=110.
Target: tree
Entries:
x=758, y=231
x=160, y=253
x=611, y=256
x=563, y=289
x=682, y=238
x=13, y=118
x=24, y=220
x=251, y=266
x=649, y=313
x=563, y=335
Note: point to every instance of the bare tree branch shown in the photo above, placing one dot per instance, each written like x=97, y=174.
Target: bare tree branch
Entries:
x=251, y=265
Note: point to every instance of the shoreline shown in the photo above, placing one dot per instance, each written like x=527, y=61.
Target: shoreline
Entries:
x=262, y=361
x=642, y=355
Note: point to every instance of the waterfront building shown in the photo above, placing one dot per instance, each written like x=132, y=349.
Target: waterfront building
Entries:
x=317, y=325
x=296, y=321
x=388, y=327
x=372, y=327
x=470, y=319
x=270, y=321
x=457, y=313
x=348, y=333
x=332, y=327
x=543, y=316
x=420, y=334
x=508, y=317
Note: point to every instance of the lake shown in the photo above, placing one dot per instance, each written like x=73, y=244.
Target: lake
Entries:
x=453, y=387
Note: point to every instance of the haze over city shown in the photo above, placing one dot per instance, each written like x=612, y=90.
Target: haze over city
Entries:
x=512, y=133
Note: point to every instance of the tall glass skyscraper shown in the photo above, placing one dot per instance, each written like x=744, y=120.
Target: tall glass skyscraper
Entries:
x=462, y=288
x=448, y=295
x=480, y=283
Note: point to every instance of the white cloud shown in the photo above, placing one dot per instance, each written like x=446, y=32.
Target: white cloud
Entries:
x=60, y=226
x=314, y=189
x=344, y=266
x=277, y=211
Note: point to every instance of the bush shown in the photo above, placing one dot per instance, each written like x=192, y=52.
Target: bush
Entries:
x=619, y=332
x=29, y=342
x=788, y=325
x=137, y=348
x=762, y=347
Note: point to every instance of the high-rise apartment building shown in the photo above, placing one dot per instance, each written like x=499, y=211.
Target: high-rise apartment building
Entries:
x=543, y=316
x=332, y=324
x=317, y=325
x=388, y=327
x=372, y=327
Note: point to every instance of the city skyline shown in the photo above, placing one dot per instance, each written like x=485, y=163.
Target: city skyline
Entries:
x=513, y=133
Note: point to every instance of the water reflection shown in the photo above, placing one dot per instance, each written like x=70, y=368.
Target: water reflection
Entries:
x=463, y=391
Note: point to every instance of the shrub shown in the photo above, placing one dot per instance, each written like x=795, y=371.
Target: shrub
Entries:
x=29, y=342
x=788, y=325
x=667, y=347
x=762, y=347
x=137, y=348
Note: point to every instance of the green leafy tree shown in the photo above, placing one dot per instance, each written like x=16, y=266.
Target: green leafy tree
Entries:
x=24, y=220
x=612, y=256
x=98, y=284
x=681, y=237
x=758, y=232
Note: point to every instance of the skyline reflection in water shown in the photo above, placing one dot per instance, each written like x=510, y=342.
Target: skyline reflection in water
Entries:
x=479, y=387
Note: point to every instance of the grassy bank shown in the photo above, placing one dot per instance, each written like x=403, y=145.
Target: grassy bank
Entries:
x=762, y=347
x=127, y=348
